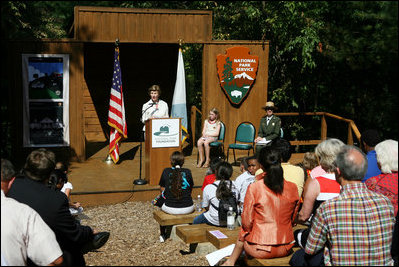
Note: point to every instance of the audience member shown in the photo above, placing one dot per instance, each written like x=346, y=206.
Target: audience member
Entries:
x=269, y=127
x=319, y=189
x=210, y=133
x=325, y=186
x=212, y=194
x=308, y=163
x=369, y=139
x=253, y=166
x=211, y=177
x=74, y=207
x=354, y=228
x=292, y=173
x=244, y=172
x=176, y=184
x=243, y=165
x=387, y=182
x=270, y=207
x=31, y=189
x=24, y=234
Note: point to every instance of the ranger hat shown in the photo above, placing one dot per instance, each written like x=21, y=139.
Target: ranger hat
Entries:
x=270, y=105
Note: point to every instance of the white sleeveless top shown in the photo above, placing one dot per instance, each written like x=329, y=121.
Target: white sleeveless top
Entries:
x=211, y=129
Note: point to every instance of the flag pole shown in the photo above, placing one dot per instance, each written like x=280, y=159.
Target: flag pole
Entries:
x=108, y=159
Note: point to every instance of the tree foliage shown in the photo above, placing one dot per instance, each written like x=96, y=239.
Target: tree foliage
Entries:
x=334, y=56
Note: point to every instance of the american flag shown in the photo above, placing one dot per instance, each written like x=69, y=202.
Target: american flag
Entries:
x=116, y=113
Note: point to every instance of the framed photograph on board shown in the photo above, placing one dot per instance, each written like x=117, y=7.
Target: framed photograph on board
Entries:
x=46, y=100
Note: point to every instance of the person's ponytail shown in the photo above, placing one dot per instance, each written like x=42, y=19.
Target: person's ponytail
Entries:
x=223, y=173
x=271, y=164
x=176, y=160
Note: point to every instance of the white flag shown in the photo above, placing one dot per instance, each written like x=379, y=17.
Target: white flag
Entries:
x=179, y=108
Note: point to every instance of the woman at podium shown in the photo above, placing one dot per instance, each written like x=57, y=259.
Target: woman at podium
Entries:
x=155, y=107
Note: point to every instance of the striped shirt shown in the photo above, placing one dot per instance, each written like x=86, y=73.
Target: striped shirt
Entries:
x=354, y=228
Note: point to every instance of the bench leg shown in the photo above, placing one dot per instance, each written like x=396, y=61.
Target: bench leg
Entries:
x=193, y=247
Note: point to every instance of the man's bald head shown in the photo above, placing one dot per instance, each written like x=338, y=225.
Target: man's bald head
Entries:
x=352, y=163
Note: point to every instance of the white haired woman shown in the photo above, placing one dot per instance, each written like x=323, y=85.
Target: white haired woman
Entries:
x=387, y=182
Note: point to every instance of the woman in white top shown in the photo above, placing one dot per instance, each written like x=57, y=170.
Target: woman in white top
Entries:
x=155, y=107
x=210, y=133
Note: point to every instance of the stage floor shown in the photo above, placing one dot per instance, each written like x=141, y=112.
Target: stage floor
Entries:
x=97, y=182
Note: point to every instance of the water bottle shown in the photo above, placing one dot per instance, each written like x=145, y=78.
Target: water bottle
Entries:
x=198, y=204
x=231, y=217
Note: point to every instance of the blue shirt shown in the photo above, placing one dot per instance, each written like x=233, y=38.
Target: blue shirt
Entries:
x=372, y=168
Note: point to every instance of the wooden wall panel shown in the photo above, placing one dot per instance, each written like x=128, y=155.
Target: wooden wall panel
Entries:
x=76, y=150
x=213, y=95
x=103, y=24
x=92, y=126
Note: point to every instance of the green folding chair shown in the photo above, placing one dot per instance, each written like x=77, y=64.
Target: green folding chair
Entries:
x=244, y=139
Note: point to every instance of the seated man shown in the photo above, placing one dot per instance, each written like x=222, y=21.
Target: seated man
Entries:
x=53, y=206
x=269, y=127
x=23, y=232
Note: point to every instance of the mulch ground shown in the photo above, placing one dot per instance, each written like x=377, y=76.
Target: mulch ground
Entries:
x=134, y=238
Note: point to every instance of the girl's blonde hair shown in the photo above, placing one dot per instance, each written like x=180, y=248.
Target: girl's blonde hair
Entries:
x=217, y=113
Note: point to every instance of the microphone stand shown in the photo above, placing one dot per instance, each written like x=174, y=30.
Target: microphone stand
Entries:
x=141, y=181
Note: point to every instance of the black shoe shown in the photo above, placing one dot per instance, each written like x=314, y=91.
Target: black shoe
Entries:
x=98, y=241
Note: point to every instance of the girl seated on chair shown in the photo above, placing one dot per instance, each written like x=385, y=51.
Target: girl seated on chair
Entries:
x=210, y=133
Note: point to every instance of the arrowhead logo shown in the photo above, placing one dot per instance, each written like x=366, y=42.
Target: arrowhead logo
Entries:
x=237, y=72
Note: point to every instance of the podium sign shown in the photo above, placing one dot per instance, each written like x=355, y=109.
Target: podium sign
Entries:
x=162, y=138
x=165, y=133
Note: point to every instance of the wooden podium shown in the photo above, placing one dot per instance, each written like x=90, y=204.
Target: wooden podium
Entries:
x=162, y=138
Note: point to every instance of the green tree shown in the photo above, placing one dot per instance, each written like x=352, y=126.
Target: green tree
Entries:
x=334, y=56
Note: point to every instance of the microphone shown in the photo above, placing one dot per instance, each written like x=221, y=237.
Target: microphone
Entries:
x=149, y=105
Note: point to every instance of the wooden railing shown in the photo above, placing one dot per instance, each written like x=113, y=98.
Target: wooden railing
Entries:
x=193, y=121
x=352, y=128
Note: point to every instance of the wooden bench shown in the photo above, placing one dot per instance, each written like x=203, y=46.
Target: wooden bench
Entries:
x=219, y=243
x=283, y=261
x=165, y=219
x=194, y=233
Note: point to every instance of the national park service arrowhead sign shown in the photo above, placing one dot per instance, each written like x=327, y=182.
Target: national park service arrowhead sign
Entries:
x=237, y=72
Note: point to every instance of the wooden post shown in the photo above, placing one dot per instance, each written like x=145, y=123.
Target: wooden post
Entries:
x=323, y=128
x=350, y=137
x=193, y=123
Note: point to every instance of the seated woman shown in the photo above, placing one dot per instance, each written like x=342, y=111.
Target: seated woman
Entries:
x=317, y=190
x=176, y=184
x=324, y=186
x=222, y=188
x=270, y=206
